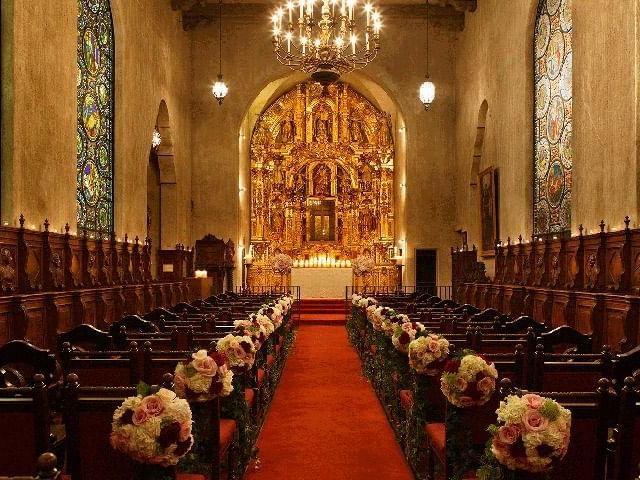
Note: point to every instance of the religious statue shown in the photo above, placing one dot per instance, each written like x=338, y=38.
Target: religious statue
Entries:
x=277, y=172
x=322, y=181
x=299, y=187
x=383, y=130
x=355, y=129
x=303, y=225
x=322, y=125
x=340, y=229
x=288, y=129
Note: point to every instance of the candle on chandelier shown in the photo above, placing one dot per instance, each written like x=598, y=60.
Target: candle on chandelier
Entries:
x=290, y=7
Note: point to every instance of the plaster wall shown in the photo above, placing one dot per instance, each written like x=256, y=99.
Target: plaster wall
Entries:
x=424, y=207
x=39, y=110
x=494, y=63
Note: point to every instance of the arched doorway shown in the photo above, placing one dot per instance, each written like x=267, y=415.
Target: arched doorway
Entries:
x=322, y=182
x=161, y=187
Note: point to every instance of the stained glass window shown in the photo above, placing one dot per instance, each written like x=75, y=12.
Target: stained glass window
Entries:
x=95, y=116
x=553, y=117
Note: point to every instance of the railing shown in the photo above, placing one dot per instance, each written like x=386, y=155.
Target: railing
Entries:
x=275, y=290
x=443, y=291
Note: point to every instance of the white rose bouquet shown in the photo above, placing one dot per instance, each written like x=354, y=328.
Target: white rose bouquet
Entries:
x=282, y=263
x=362, y=265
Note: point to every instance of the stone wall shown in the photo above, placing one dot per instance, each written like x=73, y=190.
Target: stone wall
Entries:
x=39, y=110
x=424, y=143
x=494, y=63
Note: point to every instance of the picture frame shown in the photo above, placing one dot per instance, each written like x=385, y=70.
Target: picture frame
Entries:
x=488, y=182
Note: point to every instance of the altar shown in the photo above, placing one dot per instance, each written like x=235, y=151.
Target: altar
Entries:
x=321, y=282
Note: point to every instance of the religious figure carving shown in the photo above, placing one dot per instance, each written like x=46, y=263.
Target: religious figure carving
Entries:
x=288, y=129
x=299, y=187
x=322, y=181
x=356, y=130
x=383, y=131
x=322, y=125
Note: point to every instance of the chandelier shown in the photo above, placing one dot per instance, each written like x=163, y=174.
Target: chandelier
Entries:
x=328, y=40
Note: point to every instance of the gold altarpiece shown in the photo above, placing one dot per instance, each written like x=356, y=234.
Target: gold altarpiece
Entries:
x=322, y=183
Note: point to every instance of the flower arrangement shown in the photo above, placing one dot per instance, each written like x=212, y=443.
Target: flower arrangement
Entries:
x=251, y=329
x=405, y=333
x=282, y=263
x=355, y=299
x=239, y=350
x=263, y=321
x=532, y=435
x=273, y=313
x=368, y=301
x=285, y=303
x=427, y=354
x=362, y=265
x=468, y=380
x=152, y=428
x=205, y=377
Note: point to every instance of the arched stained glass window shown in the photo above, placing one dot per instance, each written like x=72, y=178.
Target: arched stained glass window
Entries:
x=553, y=117
x=95, y=117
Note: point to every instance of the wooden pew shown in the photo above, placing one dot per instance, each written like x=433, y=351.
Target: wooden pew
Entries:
x=25, y=427
x=46, y=468
x=590, y=419
x=112, y=368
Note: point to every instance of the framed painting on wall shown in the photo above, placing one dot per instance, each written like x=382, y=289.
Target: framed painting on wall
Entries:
x=488, y=180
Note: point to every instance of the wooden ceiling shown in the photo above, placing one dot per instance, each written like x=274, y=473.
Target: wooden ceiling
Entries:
x=198, y=12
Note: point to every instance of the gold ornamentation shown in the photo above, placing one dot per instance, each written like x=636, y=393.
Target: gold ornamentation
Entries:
x=322, y=162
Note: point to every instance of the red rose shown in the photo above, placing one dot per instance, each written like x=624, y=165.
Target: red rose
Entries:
x=404, y=338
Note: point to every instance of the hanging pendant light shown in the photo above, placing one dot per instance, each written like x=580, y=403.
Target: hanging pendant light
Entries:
x=427, y=89
x=220, y=88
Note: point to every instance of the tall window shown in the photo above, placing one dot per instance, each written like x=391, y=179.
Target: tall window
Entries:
x=553, y=117
x=95, y=117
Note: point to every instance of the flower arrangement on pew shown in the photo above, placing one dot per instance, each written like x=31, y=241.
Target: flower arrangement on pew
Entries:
x=285, y=303
x=532, y=435
x=239, y=350
x=273, y=313
x=252, y=329
x=468, y=380
x=152, y=428
x=205, y=377
x=405, y=333
x=427, y=354
x=363, y=302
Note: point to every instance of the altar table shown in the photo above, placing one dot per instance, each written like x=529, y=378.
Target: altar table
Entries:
x=321, y=282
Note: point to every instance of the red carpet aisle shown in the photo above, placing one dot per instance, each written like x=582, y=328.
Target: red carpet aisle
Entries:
x=325, y=422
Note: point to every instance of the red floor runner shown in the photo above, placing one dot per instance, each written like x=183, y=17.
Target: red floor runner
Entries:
x=325, y=422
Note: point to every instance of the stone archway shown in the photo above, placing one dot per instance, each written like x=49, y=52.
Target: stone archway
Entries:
x=161, y=186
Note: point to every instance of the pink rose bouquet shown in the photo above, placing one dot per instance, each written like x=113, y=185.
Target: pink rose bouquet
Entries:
x=152, y=428
x=239, y=350
x=428, y=353
x=205, y=377
x=405, y=333
x=532, y=433
x=468, y=380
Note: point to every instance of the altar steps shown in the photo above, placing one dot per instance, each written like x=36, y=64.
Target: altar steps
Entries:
x=323, y=311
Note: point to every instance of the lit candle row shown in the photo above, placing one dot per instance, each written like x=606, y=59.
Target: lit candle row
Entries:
x=322, y=261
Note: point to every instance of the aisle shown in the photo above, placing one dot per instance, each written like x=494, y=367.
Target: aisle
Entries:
x=325, y=422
